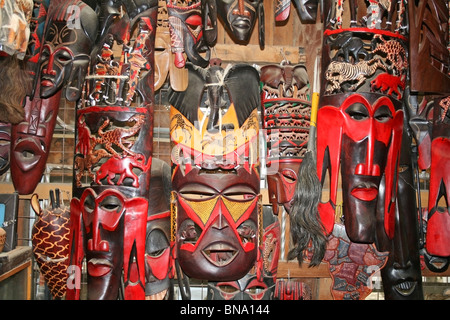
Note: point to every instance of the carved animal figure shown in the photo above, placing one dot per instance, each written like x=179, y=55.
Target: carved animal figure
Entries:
x=395, y=53
x=122, y=167
x=119, y=136
x=444, y=104
x=86, y=163
x=349, y=46
x=339, y=72
x=390, y=83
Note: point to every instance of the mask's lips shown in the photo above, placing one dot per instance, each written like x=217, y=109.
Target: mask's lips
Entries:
x=241, y=23
x=99, y=267
x=405, y=288
x=47, y=83
x=365, y=192
x=220, y=254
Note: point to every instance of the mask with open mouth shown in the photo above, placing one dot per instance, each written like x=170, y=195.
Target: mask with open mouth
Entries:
x=63, y=61
x=218, y=227
x=216, y=196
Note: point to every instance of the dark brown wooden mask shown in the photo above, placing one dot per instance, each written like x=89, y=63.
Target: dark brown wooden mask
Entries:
x=239, y=17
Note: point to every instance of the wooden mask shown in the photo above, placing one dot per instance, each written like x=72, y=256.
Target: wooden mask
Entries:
x=216, y=201
x=69, y=33
x=113, y=157
x=287, y=111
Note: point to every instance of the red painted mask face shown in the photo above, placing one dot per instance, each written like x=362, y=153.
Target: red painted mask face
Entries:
x=107, y=233
x=438, y=224
x=31, y=142
x=103, y=224
x=217, y=218
x=281, y=185
x=365, y=140
x=63, y=62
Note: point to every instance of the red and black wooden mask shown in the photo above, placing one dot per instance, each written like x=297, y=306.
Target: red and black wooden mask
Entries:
x=186, y=30
x=63, y=62
x=364, y=143
x=287, y=111
x=438, y=220
x=360, y=132
x=216, y=200
x=105, y=225
x=259, y=283
x=158, y=258
x=217, y=223
x=113, y=158
x=360, y=117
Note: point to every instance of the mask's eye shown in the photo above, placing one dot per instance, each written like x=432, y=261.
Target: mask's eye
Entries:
x=64, y=57
x=383, y=114
x=195, y=191
x=255, y=290
x=239, y=193
x=111, y=203
x=358, y=112
x=289, y=176
x=89, y=204
x=194, y=21
x=156, y=243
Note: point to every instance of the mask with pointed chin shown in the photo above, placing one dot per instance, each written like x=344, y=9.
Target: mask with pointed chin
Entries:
x=362, y=135
x=438, y=224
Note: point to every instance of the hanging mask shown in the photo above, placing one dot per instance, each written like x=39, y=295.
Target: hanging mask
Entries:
x=186, y=30
x=63, y=62
x=113, y=160
x=287, y=112
x=216, y=201
x=239, y=17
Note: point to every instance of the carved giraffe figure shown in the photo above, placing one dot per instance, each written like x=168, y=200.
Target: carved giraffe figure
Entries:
x=395, y=53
